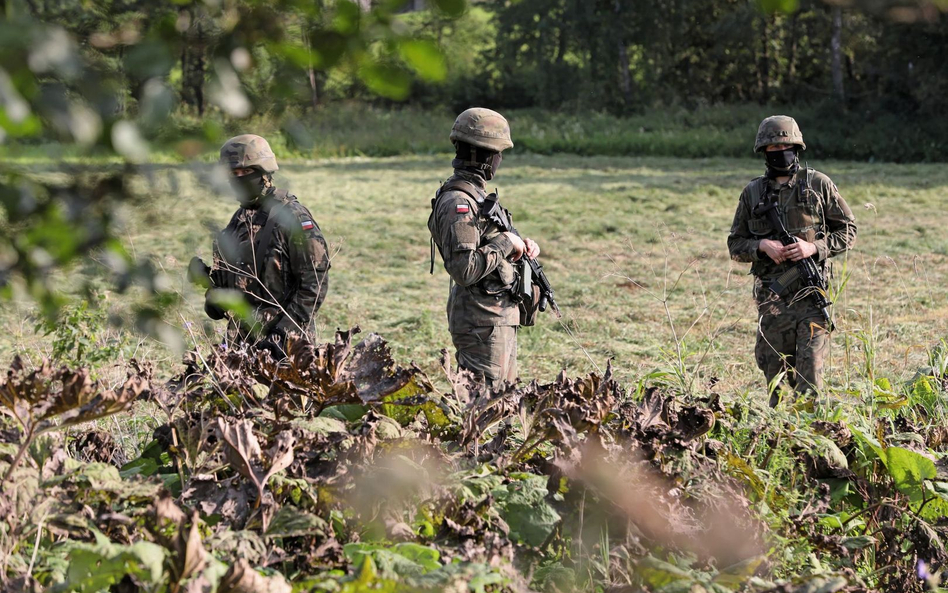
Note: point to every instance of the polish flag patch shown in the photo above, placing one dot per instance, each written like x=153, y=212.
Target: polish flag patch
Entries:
x=463, y=208
x=307, y=225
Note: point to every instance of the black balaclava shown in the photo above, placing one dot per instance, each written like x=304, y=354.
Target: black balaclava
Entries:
x=248, y=189
x=781, y=163
x=477, y=160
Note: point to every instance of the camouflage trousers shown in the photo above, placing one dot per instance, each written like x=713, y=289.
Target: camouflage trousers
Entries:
x=791, y=337
x=489, y=352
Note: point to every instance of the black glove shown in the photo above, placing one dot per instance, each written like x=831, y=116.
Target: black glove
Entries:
x=199, y=272
x=212, y=310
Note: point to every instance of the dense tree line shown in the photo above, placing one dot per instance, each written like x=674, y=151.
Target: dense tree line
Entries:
x=617, y=55
x=622, y=54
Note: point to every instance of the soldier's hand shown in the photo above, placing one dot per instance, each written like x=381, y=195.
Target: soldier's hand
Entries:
x=199, y=272
x=519, y=246
x=800, y=250
x=533, y=250
x=775, y=250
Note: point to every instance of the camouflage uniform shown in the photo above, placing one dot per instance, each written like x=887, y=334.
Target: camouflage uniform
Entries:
x=291, y=284
x=482, y=316
x=792, y=334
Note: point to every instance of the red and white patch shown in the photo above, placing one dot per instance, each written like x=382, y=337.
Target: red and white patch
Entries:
x=463, y=208
x=307, y=225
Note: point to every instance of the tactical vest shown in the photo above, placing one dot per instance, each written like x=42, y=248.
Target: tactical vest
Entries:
x=501, y=280
x=801, y=214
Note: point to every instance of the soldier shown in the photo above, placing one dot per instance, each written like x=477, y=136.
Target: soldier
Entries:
x=793, y=332
x=272, y=252
x=483, y=316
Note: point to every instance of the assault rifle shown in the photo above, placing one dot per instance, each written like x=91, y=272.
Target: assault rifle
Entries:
x=497, y=214
x=805, y=269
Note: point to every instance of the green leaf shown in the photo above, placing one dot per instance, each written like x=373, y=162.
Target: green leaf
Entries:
x=909, y=470
x=230, y=300
x=401, y=560
x=424, y=57
x=858, y=542
x=386, y=80
x=522, y=504
x=657, y=573
x=452, y=8
x=427, y=557
x=95, y=567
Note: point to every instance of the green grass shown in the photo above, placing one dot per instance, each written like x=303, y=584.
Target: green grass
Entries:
x=356, y=129
x=615, y=231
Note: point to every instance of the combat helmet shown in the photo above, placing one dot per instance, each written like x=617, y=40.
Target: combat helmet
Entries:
x=248, y=150
x=483, y=128
x=778, y=129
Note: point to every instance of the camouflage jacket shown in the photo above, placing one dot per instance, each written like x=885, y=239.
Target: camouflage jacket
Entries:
x=294, y=277
x=475, y=255
x=811, y=209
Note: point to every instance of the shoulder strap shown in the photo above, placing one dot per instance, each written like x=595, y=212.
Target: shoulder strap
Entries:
x=266, y=234
x=756, y=193
x=462, y=186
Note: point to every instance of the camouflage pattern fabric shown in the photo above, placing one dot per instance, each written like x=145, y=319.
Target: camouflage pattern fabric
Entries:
x=813, y=210
x=294, y=271
x=479, y=296
x=489, y=352
x=778, y=129
x=791, y=337
x=248, y=150
x=475, y=256
x=483, y=128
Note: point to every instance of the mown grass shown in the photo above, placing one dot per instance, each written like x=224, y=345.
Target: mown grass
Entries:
x=621, y=238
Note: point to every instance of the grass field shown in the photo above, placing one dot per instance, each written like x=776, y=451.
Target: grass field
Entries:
x=635, y=248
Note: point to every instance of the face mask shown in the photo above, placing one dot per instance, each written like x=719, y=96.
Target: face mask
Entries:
x=248, y=189
x=493, y=163
x=781, y=160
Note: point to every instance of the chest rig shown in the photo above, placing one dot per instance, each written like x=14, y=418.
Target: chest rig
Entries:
x=246, y=261
x=801, y=213
x=502, y=280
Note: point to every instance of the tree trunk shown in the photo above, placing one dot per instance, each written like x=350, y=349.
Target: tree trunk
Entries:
x=311, y=75
x=836, y=54
x=192, y=67
x=625, y=79
x=763, y=63
x=791, y=80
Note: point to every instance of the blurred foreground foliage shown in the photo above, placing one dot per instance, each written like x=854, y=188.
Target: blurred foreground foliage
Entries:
x=105, y=77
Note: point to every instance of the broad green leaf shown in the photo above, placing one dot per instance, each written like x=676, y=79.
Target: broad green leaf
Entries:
x=522, y=504
x=386, y=80
x=96, y=567
x=424, y=57
x=909, y=470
